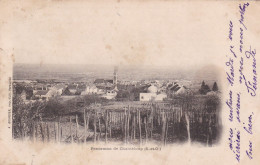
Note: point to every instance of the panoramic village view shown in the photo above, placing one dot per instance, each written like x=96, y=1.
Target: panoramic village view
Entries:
x=115, y=105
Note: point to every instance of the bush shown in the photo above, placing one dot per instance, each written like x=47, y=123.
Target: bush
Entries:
x=24, y=115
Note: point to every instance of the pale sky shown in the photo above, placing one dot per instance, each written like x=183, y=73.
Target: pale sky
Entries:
x=116, y=33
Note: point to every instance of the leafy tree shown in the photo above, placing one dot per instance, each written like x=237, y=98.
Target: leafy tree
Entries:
x=53, y=108
x=66, y=91
x=215, y=87
x=136, y=92
x=204, y=89
x=78, y=92
x=203, y=84
x=24, y=115
x=122, y=95
x=212, y=103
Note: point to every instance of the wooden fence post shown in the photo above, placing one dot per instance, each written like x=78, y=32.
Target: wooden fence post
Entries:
x=85, y=126
x=88, y=113
x=163, y=128
x=125, y=127
x=188, y=127
x=166, y=131
x=33, y=131
x=152, y=114
x=95, y=126
x=146, y=133
x=71, y=136
x=77, y=127
x=48, y=133
x=55, y=132
x=36, y=131
x=110, y=125
x=128, y=120
x=106, y=124
x=99, y=128
x=140, y=129
x=134, y=124
x=60, y=134
x=42, y=132
x=209, y=137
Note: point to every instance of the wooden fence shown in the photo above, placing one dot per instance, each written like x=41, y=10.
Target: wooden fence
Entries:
x=132, y=125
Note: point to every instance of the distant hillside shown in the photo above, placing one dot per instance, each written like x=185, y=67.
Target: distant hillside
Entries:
x=84, y=72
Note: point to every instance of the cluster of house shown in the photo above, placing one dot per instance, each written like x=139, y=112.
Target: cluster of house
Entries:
x=102, y=87
x=106, y=88
x=159, y=92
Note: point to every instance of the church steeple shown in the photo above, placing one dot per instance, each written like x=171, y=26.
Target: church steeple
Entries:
x=115, y=77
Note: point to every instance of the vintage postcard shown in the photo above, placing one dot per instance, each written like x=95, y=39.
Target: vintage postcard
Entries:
x=129, y=82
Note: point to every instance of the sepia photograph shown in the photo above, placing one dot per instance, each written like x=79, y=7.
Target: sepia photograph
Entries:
x=122, y=104
x=129, y=82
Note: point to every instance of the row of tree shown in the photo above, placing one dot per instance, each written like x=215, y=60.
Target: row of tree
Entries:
x=204, y=89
